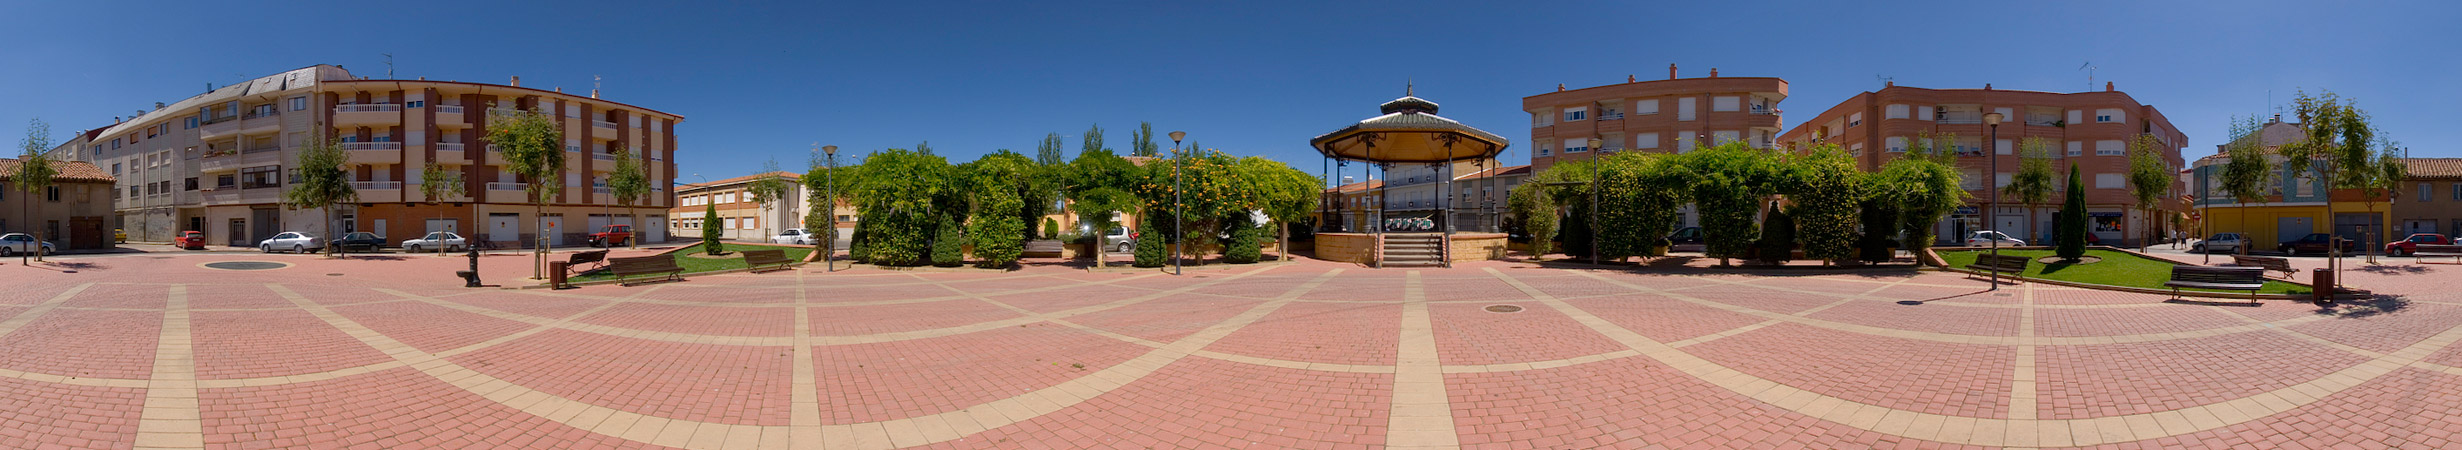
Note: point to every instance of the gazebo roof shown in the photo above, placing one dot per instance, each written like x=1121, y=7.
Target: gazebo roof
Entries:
x=1409, y=132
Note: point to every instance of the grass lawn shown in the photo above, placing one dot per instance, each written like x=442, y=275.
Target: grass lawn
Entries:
x=2116, y=269
x=693, y=265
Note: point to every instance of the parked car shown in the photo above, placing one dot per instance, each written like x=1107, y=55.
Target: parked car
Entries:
x=119, y=236
x=441, y=239
x=612, y=236
x=1985, y=238
x=795, y=236
x=360, y=240
x=192, y=240
x=1687, y=239
x=2315, y=243
x=2410, y=245
x=2220, y=243
x=1119, y=239
x=294, y=241
x=14, y=243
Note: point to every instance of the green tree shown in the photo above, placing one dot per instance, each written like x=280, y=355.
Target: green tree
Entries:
x=2341, y=139
x=2032, y=185
x=1243, y=247
x=436, y=183
x=1639, y=193
x=1879, y=220
x=35, y=175
x=1927, y=187
x=1092, y=141
x=2250, y=170
x=766, y=191
x=1777, y=243
x=1729, y=183
x=1048, y=152
x=1828, y=192
x=1539, y=203
x=825, y=189
x=533, y=147
x=924, y=147
x=1141, y=142
x=948, y=246
x=709, y=232
x=2150, y=179
x=629, y=182
x=2071, y=224
x=997, y=184
x=1051, y=228
x=902, y=195
x=1149, y=252
x=2389, y=168
x=324, y=181
x=1098, y=186
x=1287, y=195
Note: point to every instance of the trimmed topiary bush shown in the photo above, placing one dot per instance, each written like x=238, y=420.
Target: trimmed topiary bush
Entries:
x=948, y=246
x=1777, y=244
x=1051, y=228
x=1243, y=248
x=2070, y=223
x=709, y=232
x=1150, y=247
x=997, y=239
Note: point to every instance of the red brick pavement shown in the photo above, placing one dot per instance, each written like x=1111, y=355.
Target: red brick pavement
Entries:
x=1050, y=357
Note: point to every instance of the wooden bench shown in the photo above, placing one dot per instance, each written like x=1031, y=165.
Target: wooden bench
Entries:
x=1045, y=248
x=2012, y=264
x=645, y=265
x=2269, y=263
x=776, y=258
x=2248, y=279
x=2437, y=250
x=595, y=258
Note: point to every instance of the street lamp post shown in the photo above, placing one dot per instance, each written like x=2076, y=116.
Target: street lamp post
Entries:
x=1594, y=198
x=829, y=254
x=1992, y=206
x=1178, y=211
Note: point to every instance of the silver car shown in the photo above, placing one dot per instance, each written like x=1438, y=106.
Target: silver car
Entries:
x=1985, y=238
x=2220, y=243
x=446, y=240
x=14, y=243
x=293, y=241
x=795, y=236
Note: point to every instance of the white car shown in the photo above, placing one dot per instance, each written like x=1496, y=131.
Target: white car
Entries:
x=2220, y=243
x=795, y=236
x=14, y=243
x=1120, y=239
x=442, y=239
x=294, y=241
x=1985, y=238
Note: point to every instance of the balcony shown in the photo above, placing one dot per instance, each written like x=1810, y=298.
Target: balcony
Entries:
x=609, y=157
x=219, y=162
x=1616, y=116
x=374, y=152
x=1763, y=110
x=233, y=196
x=452, y=117
x=602, y=130
x=507, y=193
x=378, y=191
x=450, y=153
x=379, y=114
x=219, y=127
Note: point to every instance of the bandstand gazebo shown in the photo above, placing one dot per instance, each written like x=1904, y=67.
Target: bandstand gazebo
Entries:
x=1409, y=132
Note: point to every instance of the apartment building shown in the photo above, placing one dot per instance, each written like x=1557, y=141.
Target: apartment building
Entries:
x=2430, y=199
x=2296, y=203
x=218, y=162
x=70, y=213
x=2088, y=129
x=1672, y=116
x=739, y=216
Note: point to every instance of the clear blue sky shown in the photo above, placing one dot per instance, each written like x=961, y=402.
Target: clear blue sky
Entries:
x=756, y=81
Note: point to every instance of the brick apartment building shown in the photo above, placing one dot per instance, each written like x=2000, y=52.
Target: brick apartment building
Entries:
x=2088, y=129
x=219, y=161
x=1670, y=116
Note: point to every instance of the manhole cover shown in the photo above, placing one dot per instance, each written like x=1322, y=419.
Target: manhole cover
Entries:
x=245, y=265
x=1503, y=308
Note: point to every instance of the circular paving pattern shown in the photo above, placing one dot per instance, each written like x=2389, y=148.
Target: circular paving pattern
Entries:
x=1306, y=355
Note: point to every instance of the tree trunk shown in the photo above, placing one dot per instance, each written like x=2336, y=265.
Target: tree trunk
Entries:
x=1098, y=248
x=1285, y=246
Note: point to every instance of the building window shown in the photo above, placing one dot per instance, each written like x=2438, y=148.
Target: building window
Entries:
x=192, y=123
x=226, y=181
x=1684, y=108
x=2429, y=189
x=192, y=183
x=2108, y=115
x=2457, y=194
x=2107, y=181
x=1645, y=140
x=115, y=169
x=1896, y=112
x=2077, y=148
x=1645, y=107
x=2109, y=148
x=1896, y=144
x=1855, y=119
x=1970, y=179
x=1573, y=114
x=260, y=177
x=1726, y=103
x=1572, y=146
x=52, y=194
x=416, y=104
x=1543, y=151
x=132, y=192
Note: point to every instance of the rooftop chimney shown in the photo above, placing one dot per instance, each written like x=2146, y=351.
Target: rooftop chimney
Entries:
x=1671, y=71
x=2107, y=86
x=1987, y=86
x=559, y=89
x=2277, y=118
x=593, y=93
x=1713, y=72
x=1628, y=78
x=517, y=81
x=1559, y=87
x=1889, y=84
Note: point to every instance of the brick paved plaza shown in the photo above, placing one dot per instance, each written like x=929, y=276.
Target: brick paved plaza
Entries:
x=159, y=351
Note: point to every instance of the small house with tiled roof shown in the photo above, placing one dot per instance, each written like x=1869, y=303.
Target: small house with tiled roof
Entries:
x=72, y=213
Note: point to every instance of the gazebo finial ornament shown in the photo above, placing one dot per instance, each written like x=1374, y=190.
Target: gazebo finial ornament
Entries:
x=1406, y=88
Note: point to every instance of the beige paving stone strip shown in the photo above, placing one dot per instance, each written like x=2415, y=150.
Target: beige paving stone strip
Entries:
x=1421, y=415
x=1957, y=338
x=2022, y=377
x=170, y=419
x=2004, y=432
x=804, y=402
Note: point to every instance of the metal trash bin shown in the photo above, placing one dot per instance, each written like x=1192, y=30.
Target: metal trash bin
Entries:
x=555, y=274
x=2321, y=283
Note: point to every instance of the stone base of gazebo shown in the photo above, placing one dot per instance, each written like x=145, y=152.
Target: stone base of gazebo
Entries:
x=1361, y=247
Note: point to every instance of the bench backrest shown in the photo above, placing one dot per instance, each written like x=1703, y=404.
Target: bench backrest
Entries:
x=2261, y=261
x=764, y=256
x=588, y=257
x=2005, y=261
x=2202, y=274
x=2439, y=248
x=642, y=264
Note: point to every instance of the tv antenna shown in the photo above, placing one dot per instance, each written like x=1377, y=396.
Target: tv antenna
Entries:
x=388, y=66
x=1884, y=80
x=2089, y=68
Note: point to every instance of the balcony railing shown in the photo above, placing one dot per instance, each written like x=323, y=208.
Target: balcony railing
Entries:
x=507, y=186
x=603, y=124
x=220, y=119
x=603, y=156
x=262, y=113
x=448, y=109
x=2044, y=120
x=371, y=146
x=1616, y=116
x=1961, y=118
x=1763, y=110
x=377, y=107
x=264, y=149
x=449, y=146
x=375, y=185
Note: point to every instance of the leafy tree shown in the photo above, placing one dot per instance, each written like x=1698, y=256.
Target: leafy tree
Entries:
x=924, y=147
x=1777, y=243
x=1098, y=185
x=902, y=196
x=709, y=232
x=1243, y=247
x=2250, y=170
x=997, y=182
x=2071, y=224
x=1827, y=192
x=629, y=183
x=825, y=189
x=1048, y=152
x=533, y=147
x=35, y=175
x=1150, y=250
x=2339, y=137
x=2150, y=179
x=1640, y=193
x=1286, y=195
x=1092, y=141
x=1051, y=228
x=2388, y=171
x=766, y=191
x=1141, y=142
x=1729, y=181
x=437, y=182
x=1879, y=220
x=948, y=246
x=1539, y=203
x=324, y=181
x=1926, y=186
x=2032, y=185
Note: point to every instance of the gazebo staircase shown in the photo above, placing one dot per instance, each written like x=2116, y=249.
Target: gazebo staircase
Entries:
x=1413, y=250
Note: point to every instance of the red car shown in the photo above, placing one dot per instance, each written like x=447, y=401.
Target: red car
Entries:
x=612, y=236
x=2411, y=244
x=192, y=240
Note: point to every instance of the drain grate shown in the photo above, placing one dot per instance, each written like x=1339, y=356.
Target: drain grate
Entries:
x=245, y=265
x=1503, y=309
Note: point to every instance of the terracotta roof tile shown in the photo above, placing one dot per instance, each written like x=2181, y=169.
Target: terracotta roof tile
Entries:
x=2434, y=168
x=70, y=171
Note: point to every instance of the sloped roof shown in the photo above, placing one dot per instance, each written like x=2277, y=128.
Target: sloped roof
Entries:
x=789, y=176
x=1357, y=187
x=70, y=171
x=2434, y=168
x=1521, y=170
